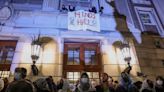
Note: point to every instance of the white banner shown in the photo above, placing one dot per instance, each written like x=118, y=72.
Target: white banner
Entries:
x=83, y=20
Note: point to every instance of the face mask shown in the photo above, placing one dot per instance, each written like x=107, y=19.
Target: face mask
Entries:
x=84, y=80
x=17, y=76
x=159, y=82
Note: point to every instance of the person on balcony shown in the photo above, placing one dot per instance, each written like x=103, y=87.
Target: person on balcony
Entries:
x=64, y=9
x=101, y=10
x=93, y=9
x=71, y=8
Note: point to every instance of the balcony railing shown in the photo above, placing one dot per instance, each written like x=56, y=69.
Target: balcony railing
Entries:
x=147, y=2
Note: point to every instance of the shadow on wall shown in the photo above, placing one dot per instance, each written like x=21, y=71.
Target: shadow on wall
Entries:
x=121, y=24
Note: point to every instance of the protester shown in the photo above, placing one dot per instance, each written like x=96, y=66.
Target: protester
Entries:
x=159, y=85
x=115, y=84
x=125, y=83
x=1, y=84
x=6, y=83
x=104, y=85
x=51, y=84
x=46, y=84
x=137, y=86
x=94, y=84
x=41, y=85
x=63, y=86
x=60, y=84
x=111, y=85
x=84, y=84
x=20, y=84
x=20, y=73
x=147, y=86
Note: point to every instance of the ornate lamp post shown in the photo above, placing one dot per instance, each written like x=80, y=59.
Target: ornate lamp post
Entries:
x=35, y=52
x=125, y=50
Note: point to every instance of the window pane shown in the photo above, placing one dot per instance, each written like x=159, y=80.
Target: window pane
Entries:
x=10, y=54
x=69, y=74
x=89, y=74
x=1, y=51
x=73, y=77
x=4, y=74
x=90, y=57
x=145, y=18
x=73, y=56
x=95, y=75
x=76, y=75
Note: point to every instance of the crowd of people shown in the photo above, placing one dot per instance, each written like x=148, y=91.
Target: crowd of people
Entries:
x=84, y=84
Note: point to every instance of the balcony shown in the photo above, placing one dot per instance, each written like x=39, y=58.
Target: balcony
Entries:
x=146, y=2
x=55, y=20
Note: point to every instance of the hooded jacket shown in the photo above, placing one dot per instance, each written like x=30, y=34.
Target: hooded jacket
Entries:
x=146, y=88
x=125, y=84
x=1, y=85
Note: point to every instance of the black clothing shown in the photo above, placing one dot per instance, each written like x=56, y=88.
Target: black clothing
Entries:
x=21, y=86
x=146, y=90
x=99, y=88
x=159, y=89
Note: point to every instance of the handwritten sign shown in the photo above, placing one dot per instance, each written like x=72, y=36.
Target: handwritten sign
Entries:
x=83, y=20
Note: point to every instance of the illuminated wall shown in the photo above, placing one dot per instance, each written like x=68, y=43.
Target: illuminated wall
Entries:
x=114, y=63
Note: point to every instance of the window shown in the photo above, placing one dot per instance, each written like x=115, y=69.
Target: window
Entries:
x=73, y=56
x=146, y=17
x=7, y=50
x=93, y=76
x=6, y=54
x=79, y=57
x=90, y=57
x=148, y=20
x=4, y=74
x=73, y=77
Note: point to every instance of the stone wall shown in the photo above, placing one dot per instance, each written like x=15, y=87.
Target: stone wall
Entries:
x=150, y=57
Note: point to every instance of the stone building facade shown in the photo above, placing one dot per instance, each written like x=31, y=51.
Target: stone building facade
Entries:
x=67, y=53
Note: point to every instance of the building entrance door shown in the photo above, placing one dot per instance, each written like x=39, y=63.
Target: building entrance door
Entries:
x=81, y=57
